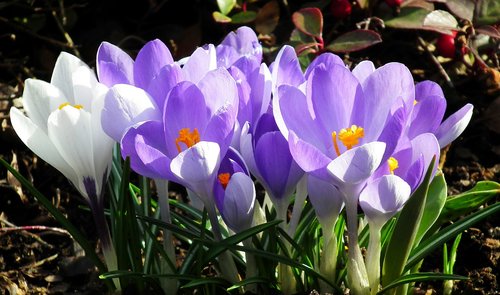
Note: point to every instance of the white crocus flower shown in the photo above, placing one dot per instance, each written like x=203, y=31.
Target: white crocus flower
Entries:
x=63, y=127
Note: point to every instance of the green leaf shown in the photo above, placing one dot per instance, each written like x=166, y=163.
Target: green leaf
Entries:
x=436, y=198
x=405, y=231
x=408, y=18
x=221, y=18
x=225, y=6
x=419, y=277
x=267, y=18
x=205, y=281
x=309, y=21
x=243, y=17
x=469, y=201
x=488, y=12
x=254, y=280
x=436, y=240
x=354, y=41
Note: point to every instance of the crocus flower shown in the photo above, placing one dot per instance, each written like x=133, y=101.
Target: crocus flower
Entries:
x=234, y=192
x=63, y=127
x=268, y=158
x=332, y=112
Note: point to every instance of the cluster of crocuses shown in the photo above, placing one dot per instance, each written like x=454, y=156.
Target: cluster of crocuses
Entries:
x=214, y=119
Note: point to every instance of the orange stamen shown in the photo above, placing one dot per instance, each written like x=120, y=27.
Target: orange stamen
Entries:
x=350, y=136
x=188, y=138
x=335, y=144
x=393, y=164
x=224, y=179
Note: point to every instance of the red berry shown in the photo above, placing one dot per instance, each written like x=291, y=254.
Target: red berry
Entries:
x=393, y=3
x=446, y=45
x=340, y=9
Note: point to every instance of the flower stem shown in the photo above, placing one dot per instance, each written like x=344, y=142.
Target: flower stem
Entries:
x=328, y=261
x=373, y=258
x=356, y=270
x=168, y=285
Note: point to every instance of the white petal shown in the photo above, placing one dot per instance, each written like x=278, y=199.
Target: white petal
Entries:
x=39, y=142
x=357, y=164
x=62, y=76
x=124, y=106
x=384, y=197
x=40, y=99
x=70, y=131
x=196, y=167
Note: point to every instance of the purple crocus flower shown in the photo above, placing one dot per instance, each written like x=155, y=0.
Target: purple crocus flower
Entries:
x=195, y=131
x=234, y=192
x=328, y=111
x=268, y=158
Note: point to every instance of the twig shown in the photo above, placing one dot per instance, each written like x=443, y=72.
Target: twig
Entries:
x=436, y=62
x=34, y=35
x=66, y=35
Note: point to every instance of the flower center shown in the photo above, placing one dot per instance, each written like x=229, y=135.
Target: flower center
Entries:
x=224, y=179
x=187, y=138
x=348, y=136
x=393, y=164
x=76, y=106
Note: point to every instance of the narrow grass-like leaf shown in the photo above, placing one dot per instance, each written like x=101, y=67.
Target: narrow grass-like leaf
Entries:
x=405, y=231
x=254, y=280
x=419, y=277
x=447, y=233
x=175, y=229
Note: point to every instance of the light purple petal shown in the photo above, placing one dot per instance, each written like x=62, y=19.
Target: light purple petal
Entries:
x=452, y=127
x=185, y=108
x=333, y=93
x=363, y=70
x=114, y=66
x=425, y=89
x=357, y=164
x=426, y=145
x=427, y=115
x=220, y=90
x=292, y=112
x=308, y=157
x=326, y=199
x=144, y=144
x=238, y=204
x=393, y=131
x=167, y=78
x=124, y=106
x=196, y=168
x=260, y=95
x=245, y=41
x=150, y=59
x=274, y=161
x=383, y=198
x=328, y=60
x=286, y=68
x=199, y=63
x=382, y=89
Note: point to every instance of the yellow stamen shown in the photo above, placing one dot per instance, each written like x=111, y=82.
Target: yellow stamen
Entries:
x=76, y=106
x=335, y=144
x=224, y=179
x=393, y=164
x=350, y=136
x=415, y=102
x=188, y=138
x=63, y=105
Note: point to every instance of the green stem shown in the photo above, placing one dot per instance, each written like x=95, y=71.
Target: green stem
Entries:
x=168, y=285
x=328, y=261
x=373, y=258
x=356, y=270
